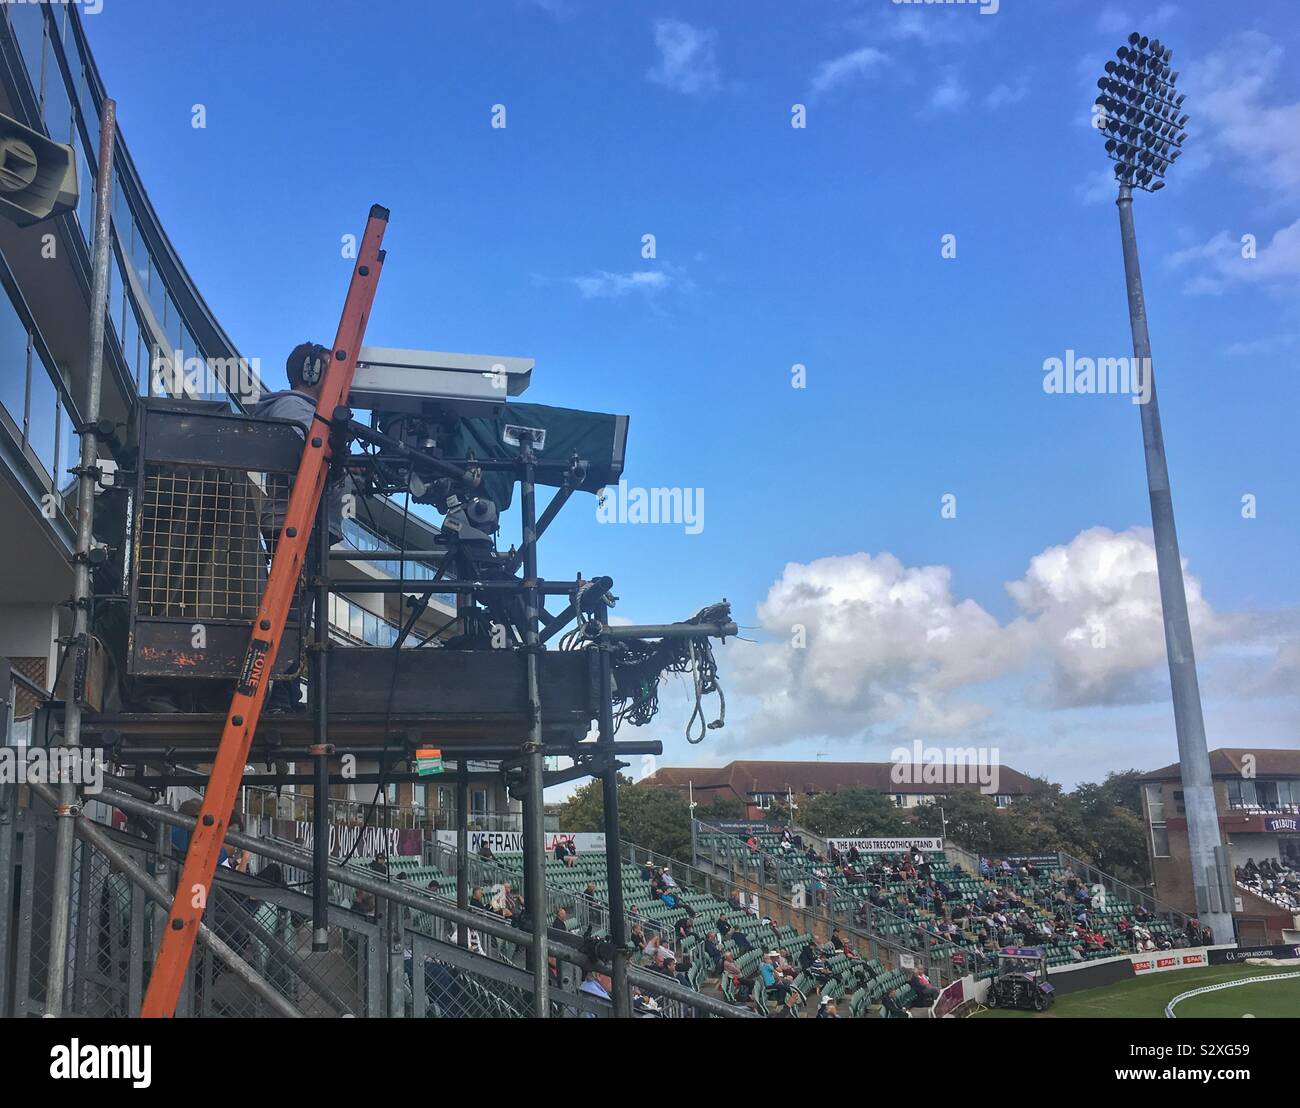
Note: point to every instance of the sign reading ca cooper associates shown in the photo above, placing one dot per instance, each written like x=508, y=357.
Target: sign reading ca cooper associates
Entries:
x=886, y=846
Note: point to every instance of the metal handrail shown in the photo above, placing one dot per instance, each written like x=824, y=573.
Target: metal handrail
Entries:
x=563, y=946
x=938, y=954
x=1133, y=895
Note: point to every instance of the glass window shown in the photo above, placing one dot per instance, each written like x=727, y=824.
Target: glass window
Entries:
x=131, y=344
x=13, y=363
x=28, y=23
x=86, y=201
x=175, y=326
x=57, y=108
x=44, y=412
x=69, y=453
x=157, y=294
x=1155, y=803
x=139, y=256
x=121, y=215
x=1160, y=841
x=84, y=100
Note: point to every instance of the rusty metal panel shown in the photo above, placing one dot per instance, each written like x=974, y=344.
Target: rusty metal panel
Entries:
x=206, y=482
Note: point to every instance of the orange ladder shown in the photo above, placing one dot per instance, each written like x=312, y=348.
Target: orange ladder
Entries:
x=227, y=773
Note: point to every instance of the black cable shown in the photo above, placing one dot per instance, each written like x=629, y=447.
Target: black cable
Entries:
x=640, y=666
x=382, y=787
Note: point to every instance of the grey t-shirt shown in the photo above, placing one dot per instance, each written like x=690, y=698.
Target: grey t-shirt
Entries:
x=301, y=409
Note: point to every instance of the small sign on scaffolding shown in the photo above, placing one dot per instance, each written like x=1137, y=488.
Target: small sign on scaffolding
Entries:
x=428, y=761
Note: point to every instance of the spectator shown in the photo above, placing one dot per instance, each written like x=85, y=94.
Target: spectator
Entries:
x=789, y=1006
x=713, y=950
x=826, y=1009
x=926, y=994
x=485, y=851
x=595, y=985
x=891, y=1007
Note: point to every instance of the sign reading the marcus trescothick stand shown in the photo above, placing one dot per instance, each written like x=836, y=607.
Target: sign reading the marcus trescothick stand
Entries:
x=885, y=846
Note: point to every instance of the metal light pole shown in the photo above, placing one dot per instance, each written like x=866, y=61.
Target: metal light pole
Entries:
x=66, y=811
x=1142, y=119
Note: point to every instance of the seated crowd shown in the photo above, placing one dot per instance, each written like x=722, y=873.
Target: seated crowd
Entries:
x=1273, y=880
x=923, y=902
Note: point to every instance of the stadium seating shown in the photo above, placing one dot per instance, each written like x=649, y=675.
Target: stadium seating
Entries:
x=849, y=976
x=909, y=917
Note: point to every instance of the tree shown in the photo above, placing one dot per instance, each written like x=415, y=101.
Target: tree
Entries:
x=651, y=816
x=719, y=807
x=850, y=814
x=972, y=820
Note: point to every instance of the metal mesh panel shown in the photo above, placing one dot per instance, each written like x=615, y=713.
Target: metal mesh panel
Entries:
x=276, y=941
x=201, y=553
x=451, y=992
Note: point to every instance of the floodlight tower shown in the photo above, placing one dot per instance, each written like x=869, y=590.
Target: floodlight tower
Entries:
x=1142, y=118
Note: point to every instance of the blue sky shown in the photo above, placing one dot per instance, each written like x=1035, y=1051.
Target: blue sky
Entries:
x=819, y=246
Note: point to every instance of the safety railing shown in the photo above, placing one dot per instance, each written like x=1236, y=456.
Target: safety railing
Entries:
x=394, y=948
x=1118, y=890
x=758, y=878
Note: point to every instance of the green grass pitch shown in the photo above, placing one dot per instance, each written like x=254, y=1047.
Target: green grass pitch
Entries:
x=1146, y=997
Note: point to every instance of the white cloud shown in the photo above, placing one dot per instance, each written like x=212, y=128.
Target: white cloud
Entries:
x=863, y=648
x=556, y=9
x=603, y=283
x=687, y=62
x=1001, y=95
x=1230, y=94
x=1094, y=606
x=1269, y=344
x=1098, y=187
x=1220, y=262
x=1113, y=20
x=856, y=65
x=948, y=93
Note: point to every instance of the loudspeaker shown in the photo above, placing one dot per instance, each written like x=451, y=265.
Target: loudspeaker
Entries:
x=38, y=178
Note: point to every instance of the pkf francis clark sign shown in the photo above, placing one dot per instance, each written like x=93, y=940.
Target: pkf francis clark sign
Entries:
x=886, y=846
x=512, y=842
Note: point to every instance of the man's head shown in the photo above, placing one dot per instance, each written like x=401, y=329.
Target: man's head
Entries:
x=305, y=367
